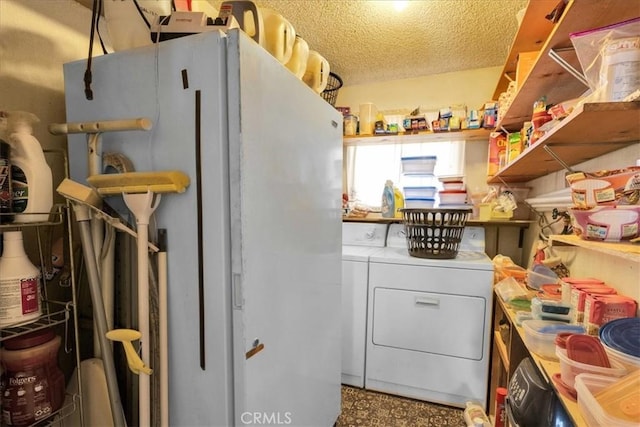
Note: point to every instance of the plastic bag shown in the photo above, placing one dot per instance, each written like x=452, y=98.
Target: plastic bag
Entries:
x=610, y=60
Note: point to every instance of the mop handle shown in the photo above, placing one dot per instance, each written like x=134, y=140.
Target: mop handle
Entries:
x=100, y=126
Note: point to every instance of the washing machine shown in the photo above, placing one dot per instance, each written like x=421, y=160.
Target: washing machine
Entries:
x=359, y=241
x=429, y=322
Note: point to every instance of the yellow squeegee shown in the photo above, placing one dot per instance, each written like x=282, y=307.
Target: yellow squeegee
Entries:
x=140, y=182
x=140, y=191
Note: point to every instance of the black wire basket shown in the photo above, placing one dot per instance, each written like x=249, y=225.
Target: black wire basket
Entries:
x=434, y=233
x=330, y=93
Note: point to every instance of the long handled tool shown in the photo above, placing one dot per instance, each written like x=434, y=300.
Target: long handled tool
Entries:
x=141, y=193
x=81, y=199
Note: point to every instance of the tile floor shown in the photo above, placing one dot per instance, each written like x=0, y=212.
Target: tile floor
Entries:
x=364, y=408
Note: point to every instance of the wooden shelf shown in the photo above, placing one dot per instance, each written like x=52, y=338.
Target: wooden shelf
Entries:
x=548, y=368
x=502, y=350
x=590, y=131
x=627, y=251
x=546, y=77
x=531, y=36
x=419, y=136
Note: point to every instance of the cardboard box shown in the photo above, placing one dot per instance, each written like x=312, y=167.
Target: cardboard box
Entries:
x=525, y=63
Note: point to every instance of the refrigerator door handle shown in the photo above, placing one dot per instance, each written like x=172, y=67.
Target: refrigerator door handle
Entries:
x=237, y=291
x=257, y=347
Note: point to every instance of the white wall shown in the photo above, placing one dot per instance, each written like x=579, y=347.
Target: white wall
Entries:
x=36, y=38
x=472, y=88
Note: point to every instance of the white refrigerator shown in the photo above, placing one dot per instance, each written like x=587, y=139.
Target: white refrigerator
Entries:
x=254, y=244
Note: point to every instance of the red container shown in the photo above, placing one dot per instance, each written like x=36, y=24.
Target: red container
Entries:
x=33, y=384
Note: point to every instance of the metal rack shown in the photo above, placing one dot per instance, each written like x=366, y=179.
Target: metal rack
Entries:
x=54, y=312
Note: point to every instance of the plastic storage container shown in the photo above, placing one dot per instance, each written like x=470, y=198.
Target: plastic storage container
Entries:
x=419, y=203
x=600, y=410
x=457, y=197
x=418, y=165
x=570, y=368
x=419, y=192
x=35, y=384
x=540, y=335
x=607, y=223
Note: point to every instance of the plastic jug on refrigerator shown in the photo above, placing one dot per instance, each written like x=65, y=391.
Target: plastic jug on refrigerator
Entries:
x=317, y=72
x=279, y=35
x=299, y=56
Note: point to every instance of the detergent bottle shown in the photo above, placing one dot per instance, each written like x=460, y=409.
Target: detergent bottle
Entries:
x=398, y=202
x=31, y=178
x=387, y=208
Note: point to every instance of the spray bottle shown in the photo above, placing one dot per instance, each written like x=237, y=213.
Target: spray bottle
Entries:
x=387, y=209
x=32, y=181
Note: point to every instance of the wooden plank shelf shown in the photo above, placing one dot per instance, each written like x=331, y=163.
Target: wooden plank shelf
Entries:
x=590, y=131
x=625, y=250
x=419, y=136
x=546, y=77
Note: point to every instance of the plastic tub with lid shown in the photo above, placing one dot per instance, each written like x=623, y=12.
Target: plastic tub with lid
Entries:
x=418, y=165
x=419, y=203
x=621, y=341
x=453, y=197
x=569, y=369
x=609, y=401
x=419, y=192
x=539, y=335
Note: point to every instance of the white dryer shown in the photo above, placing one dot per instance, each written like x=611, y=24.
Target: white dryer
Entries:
x=429, y=322
x=359, y=241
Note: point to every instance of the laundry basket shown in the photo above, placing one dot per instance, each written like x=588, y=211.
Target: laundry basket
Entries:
x=330, y=93
x=434, y=233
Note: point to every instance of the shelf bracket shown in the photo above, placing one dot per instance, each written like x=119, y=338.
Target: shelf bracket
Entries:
x=553, y=54
x=558, y=159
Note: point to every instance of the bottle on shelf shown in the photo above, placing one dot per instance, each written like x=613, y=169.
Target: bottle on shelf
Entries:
x=6, y=195
x=32, y=181
x=19, y=283
x=387, y=208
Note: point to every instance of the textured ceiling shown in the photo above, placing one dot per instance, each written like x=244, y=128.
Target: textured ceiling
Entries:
x=369, y=41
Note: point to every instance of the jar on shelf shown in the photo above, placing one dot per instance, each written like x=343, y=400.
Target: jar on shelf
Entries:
x=33, y=385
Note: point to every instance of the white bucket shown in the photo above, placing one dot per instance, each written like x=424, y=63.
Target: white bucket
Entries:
x=317, y=72
x=279, y=35
x=299, y=56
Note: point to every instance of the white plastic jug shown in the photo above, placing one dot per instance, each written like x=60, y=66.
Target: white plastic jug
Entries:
x=279, y=35
x=248, y=17
x=317, y=73
x=299, y=56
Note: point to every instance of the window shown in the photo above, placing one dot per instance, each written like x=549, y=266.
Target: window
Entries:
x=369, y=166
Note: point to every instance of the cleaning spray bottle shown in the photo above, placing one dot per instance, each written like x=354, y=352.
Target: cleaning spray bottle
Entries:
x=387, y=208
x=32, y=181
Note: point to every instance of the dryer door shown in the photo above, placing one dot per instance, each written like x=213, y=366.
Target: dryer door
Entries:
x=444, y=324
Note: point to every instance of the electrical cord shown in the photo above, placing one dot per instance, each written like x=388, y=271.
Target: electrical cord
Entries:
x=88, y=93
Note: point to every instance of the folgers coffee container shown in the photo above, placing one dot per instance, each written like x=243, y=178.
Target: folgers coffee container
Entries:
x=32, y=384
